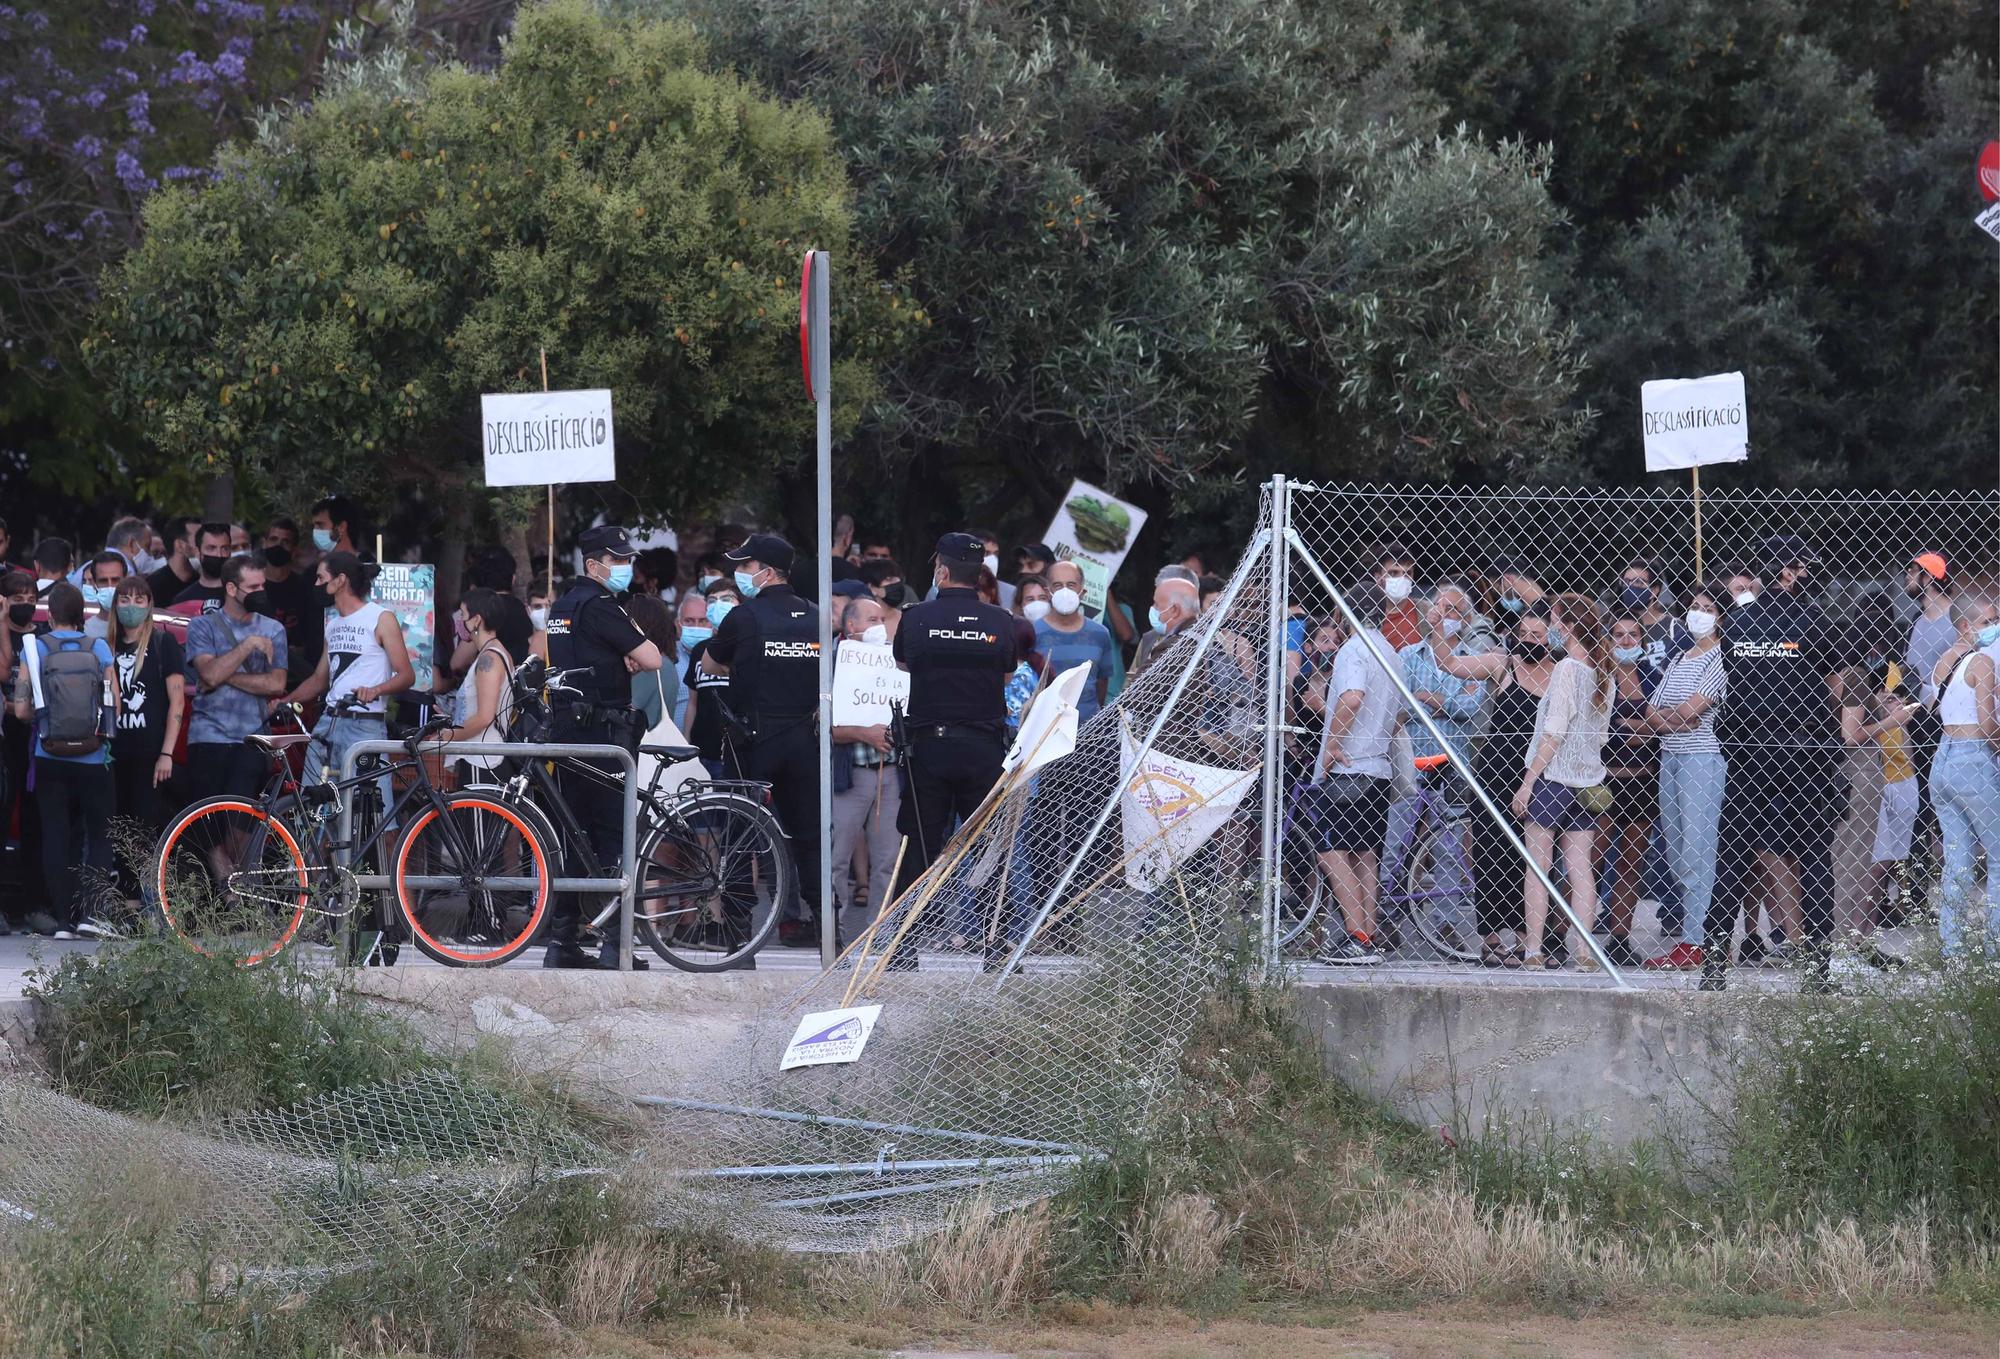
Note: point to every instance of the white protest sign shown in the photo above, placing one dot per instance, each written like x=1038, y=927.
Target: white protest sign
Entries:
x=1170, y=809
x=1989, y=220
x=1048, y=728
x=830, y=1037
x=865, y=682
x=1094, y=529
x=1692, y=422
x=541, y=438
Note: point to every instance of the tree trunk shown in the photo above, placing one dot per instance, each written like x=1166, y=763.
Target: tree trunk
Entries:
x=218, y=504
x=451, y=571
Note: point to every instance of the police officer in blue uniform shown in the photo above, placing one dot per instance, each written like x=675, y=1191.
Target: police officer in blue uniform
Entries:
x=959, y=651
x=769, y=647
x=591, y=636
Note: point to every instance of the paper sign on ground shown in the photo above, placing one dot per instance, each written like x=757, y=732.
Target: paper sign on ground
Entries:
x=865, y=682
x=1094, y=529
x=1170, y=808
x=1692, y=422
x=1048, y=728
x=539, y=438
x=410, y=592
x=830, y=1037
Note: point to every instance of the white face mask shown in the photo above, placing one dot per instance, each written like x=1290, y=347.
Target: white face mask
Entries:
x=1035, y=610
x=1700, y=622
x=1452, y=627
x=1065, y=600
x=1397, y=588
x=875, y=634
x=540, y=618
x=991, y=563
x=1744, y=598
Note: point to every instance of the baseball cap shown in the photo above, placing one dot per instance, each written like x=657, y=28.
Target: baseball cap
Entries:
x=961, y=549
x=1783, y=549
x=1933, y=563
x=767, y=548
x=1037, y=552
x=596, y=542
x=852, y=589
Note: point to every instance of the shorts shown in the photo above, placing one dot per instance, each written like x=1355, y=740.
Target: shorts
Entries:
x=1782, y=801
x=1556, y=806
x=1635, y=799
x=215, y=768
x=1895, y=820
x=1353, y=825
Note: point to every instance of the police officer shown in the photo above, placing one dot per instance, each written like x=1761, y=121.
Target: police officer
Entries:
x=590, y=635
x=769, y=647
x=959, y=652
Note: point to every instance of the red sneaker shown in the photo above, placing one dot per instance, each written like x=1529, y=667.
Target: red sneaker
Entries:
x=1684, y=958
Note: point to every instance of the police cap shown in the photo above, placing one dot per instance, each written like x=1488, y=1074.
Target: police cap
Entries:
x=960, y=549
x=767, y=548
x=1035, y=552
x=1786, y=549
x=606, y=538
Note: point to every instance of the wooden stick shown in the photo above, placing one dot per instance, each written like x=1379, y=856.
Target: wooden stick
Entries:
x=1006, y=866
x=1695, y=472
x=933, y=878
x=868, y=934
x=552, y=499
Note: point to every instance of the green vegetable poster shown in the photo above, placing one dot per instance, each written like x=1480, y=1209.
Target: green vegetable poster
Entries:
x=1095, y=530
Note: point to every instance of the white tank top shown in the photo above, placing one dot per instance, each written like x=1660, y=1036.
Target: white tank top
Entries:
x=354, y=657
x=1959, y=705
x=467, y=702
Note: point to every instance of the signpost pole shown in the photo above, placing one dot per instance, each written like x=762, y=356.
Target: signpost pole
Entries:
x=1695, y=472
x=816, y=327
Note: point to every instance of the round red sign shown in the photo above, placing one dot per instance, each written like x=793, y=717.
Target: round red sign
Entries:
x=1989, y=171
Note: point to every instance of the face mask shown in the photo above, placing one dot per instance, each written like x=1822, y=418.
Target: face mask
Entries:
x=146, y=563
x=691, y=635
x=1989, y=634
x=323, y=539
x=255, y=601
x=718, y=609
x=1700, y=622
x=540, y=618
x=1636, y=596
x=746, y=585
x=279, y=556
x=704, y=582
x=1531, y=651
x=876, y=634
x=1555, y=637
x=132, y=615
x=212, y=566
x=1065, y=600
x=620, y=579
x=1451, y=628
x=1628, y=654
x=1153, y=617
x=21, y=615
x=100, y=595
x=1512, y=603
x=1744, y=598
x=1397, y=588
x=991, y=563
x=1035, y=610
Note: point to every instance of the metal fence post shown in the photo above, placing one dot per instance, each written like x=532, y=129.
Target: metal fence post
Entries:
x=1273, y=881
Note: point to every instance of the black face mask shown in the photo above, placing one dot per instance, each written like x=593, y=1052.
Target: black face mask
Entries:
x=21, y=615
x=279, y=556
x=211, y=567
x=1530, y=651
x=255, y=601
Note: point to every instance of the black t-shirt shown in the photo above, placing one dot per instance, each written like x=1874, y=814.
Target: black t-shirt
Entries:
x=959, y=652
x=705, y=730
x=167, y=586
x=209, y=596
x=142, y=697
x=295, y=603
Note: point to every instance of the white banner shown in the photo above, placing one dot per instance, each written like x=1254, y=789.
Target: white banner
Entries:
x=1048, y=728
x=538, y=438
x=1094, y=529
x=1170, y=809
x=1988, y=221
x=865, y=682
x=829, y=1037
x=1692, y=422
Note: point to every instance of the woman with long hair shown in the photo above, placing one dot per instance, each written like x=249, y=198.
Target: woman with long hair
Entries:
x=152, y=703
x=501, y=637
x=1562, y=791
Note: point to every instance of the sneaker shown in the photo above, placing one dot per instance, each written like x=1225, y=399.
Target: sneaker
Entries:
x=798, y=933
x=1715, y=968
x=1684, y=958
x=41, y=922
x=1619, y=950
x=1782, y=955
x=96, y=927
x=1348, y=953
x=571, y=955
x=1753, y=951
x=1872, y=954
x=65, y=935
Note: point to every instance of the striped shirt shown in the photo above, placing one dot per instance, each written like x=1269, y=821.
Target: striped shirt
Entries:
x=1689, y=674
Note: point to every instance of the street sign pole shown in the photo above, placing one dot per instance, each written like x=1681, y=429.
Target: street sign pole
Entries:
x=814, y=328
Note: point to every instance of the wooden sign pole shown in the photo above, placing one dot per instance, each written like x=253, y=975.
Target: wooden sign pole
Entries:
x=1695, y=472
x=552, y=500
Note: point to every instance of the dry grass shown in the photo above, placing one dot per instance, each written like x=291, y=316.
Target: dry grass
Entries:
x=987, y=1261
x=1175, y=1247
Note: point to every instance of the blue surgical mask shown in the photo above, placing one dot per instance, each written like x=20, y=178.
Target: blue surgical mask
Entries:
x=705, y=582
x=1628, y=655
x=1555, y=636
x=1511, y=603
x=1989, y=634
x=1636, y=596
x=620, y=578
x=746, y=585
x=323, y=540
x=695, y=636
x=718, y=609
x=1153, y=617
x=99, y=595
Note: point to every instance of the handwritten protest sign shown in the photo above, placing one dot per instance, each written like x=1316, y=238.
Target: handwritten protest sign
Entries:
x=865, y=682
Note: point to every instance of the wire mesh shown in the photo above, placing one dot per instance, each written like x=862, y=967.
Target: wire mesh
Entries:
x=1785, y=815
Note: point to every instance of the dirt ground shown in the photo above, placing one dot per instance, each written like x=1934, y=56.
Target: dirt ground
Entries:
x=1107, y=1333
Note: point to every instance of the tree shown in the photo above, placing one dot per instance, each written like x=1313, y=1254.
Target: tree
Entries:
x=328, y=310
x=1166, y=242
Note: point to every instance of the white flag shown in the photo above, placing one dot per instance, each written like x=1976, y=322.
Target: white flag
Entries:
x=1048, y=728
x=1171, y=807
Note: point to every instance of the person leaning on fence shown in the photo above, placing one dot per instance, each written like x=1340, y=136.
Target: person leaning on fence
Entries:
x=1356, y=785
x=1965, y=787
x=1694, y=776
x=1562, y=792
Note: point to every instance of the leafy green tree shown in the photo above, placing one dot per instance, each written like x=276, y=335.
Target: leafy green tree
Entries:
x=328, y=311
x=1169, y=242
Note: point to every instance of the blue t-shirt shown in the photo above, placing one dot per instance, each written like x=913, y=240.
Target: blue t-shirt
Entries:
x=226, y=715
x=1091, y=643
x=51, y=642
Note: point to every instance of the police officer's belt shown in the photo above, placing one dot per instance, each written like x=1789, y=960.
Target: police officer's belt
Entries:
x=948, y=729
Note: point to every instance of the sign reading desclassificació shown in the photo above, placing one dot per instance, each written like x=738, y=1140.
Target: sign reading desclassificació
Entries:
x=540, y=438
x=1692, y=422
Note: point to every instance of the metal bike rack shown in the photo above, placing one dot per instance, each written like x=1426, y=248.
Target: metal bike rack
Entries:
x=626, y=885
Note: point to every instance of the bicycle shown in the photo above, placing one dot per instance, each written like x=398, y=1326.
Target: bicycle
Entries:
x=248, y=871
x=1426, y=876
x=715, y=867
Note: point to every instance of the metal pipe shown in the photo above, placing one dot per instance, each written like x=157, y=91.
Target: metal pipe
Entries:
x=1273, y=879
x=822, y=379
x=874, y=1167
x=866, y=1125
x=1395, y=674
x=862, y=1195
x=1259, y=544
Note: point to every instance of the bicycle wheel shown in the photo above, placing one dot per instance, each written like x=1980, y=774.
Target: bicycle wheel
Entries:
x=713, y=875
x=473, y=880
x=1437, y=892
x=1301, y=900
x=231, y=879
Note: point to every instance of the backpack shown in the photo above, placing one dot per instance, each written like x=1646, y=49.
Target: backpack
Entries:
x=68, y=684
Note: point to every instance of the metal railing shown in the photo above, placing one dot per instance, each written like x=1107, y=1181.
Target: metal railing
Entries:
x=625, y=885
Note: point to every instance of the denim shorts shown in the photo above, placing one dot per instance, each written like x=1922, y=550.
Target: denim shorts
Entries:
x=1557, y=807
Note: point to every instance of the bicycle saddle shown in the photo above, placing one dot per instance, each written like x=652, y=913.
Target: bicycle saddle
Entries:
x=671, y=754
x=281, y=742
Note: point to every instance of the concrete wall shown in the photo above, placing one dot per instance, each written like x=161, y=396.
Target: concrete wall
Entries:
x=1621, y=1066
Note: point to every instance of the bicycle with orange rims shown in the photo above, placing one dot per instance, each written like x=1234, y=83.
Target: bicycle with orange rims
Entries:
x=471, y=874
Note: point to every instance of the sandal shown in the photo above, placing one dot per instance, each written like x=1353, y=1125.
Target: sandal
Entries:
x=1554, y=961
x=1533, y=960
x=1586, y=961
x=1492, y=955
